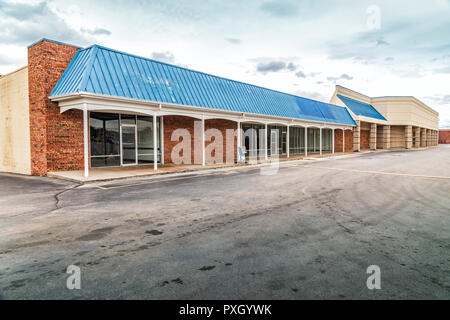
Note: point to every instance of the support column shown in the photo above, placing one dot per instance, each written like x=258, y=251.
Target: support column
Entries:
x=287, y=142
x=266, y=143
x=238, y=141
x=306, y=141
x=343, y=140
x=203, y=142
x=85, y=140
x=320, y=141
x=423, y=138
x=428, y=138
x=155, y=144
x=386, y=143
x=161, y=137
x=418, y=138
x=373, y=136
x=357, y=137
x=332, y=141
x=408, y=137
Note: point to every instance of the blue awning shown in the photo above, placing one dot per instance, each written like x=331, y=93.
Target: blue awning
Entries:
x=361, y=108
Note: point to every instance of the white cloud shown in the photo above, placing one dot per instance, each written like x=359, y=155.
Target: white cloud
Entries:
x=409, y=55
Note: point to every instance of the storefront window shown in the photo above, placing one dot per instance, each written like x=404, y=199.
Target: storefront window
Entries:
x=278, y=133
x=252, y=138
x=296, y=140
x=327, y=140
x=145, y=140
x=105, y=140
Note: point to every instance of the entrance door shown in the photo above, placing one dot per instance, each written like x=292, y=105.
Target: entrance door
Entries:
x=129, y=144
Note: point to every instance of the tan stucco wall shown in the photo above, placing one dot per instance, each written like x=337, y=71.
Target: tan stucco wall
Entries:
x=407, y=111
x=398, y=137
x=15, y=123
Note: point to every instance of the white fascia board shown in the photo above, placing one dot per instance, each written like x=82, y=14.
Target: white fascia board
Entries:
x=104, y=102
x=372, y=120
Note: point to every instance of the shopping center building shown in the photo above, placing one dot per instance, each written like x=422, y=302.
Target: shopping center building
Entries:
x=77, y=108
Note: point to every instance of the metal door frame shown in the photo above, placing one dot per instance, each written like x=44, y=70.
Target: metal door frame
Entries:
x=135, y=145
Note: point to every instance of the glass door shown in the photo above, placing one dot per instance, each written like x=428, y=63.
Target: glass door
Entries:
x=128, y=142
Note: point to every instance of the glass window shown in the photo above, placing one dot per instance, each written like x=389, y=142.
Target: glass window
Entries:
x=326, y=140
x=252, y=138
x=296, y=140
x=127, y=119
x=104, y=138
x=311, y=139
x=278, y=133
x=145, y=140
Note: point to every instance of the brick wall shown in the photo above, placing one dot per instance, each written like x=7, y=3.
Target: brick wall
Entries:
x=338, y=140
x=222, y=126
x=56, y=139
x=365, y=139
x=444, y=136
x=171, y=123
x=348, y=140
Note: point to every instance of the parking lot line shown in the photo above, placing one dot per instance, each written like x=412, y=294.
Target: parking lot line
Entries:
x=381, y=172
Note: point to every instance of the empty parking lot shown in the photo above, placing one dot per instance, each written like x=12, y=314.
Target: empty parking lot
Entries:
x=309, y=231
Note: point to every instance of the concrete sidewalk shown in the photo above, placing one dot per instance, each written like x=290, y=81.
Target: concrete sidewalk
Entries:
x=117, y=173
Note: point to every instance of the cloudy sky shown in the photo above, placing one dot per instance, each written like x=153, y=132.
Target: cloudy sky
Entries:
x=305, y=47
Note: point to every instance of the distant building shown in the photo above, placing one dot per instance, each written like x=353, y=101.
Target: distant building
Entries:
x=388, y=122
x=444, y=136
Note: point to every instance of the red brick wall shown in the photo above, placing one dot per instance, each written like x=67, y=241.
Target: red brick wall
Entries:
x=348, y=141
x=56, y=139
x=338, y=140
x=364, y=136
x=444, y=136
x=171, y=123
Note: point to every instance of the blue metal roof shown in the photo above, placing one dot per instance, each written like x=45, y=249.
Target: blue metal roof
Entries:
x=109, y=72
x=361, y=108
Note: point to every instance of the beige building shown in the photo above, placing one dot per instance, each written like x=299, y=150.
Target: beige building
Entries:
x=15, y=123
x=388, y=122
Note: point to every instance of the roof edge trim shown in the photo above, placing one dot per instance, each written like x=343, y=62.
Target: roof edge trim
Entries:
x=84, y=94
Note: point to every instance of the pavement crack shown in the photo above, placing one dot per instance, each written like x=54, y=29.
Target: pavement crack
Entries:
x=58, y=194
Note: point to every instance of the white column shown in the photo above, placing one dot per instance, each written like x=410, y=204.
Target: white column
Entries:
x=203, y=142
x=343, y=140
x=332, y=141
x=320, y=140
x=161, y=137
x=266, y=144
x=306, y=141
x=287, y=142
x=238, y=140
x=85, y=140
x=155, y=144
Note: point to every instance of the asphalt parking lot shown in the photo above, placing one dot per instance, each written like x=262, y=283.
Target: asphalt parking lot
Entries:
x=308, y=232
